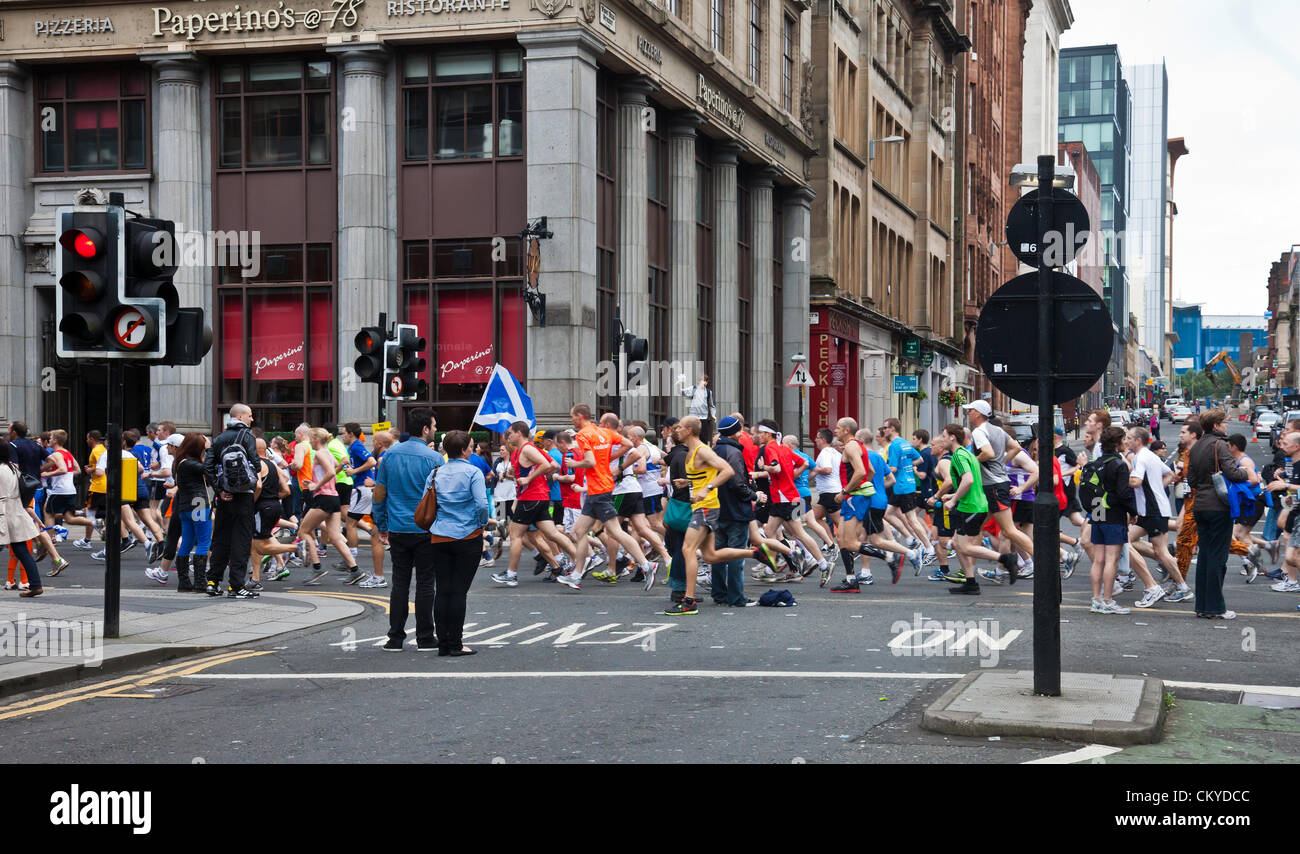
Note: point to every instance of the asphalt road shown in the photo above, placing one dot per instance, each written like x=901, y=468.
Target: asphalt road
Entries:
x=601, y=675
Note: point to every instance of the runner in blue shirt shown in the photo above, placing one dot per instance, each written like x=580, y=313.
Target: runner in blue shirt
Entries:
x=906, y=513
x=361, y=468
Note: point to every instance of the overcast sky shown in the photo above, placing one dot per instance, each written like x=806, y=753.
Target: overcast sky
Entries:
x=1234, y=95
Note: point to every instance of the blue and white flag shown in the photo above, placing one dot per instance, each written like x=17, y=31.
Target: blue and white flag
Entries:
x=504, y=402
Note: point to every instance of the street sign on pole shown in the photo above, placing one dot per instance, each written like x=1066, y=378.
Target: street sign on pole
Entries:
x=1010, y=358
x=1068, y=232
x=911, y=348
x=839, y=374
x=800, y=376
x=906, y=384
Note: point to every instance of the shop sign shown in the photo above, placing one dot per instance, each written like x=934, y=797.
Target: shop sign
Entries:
x=906, y=384
x=912, y=348
x=927, y=358
x=71, y=27
x=398, y=8
x=839, y=375
x=773, y=143
x=338, y=14
x=607, y=17
x=650, y=50
x=719, y=104
x=843, y=326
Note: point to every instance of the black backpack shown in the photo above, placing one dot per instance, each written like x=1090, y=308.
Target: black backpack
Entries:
x=1092, y=490
x=235, y=470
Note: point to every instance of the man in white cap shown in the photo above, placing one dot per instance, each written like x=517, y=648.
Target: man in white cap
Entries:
x=992, y=448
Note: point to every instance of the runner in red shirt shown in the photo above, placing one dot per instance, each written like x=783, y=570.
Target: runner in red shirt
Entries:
x=782, y=467
x=532, y=504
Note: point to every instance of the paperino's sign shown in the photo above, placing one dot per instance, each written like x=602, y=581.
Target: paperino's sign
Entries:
x=338, y=14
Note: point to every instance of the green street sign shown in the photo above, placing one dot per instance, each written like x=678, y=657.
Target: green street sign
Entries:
x=927, y=358
x=912, y=347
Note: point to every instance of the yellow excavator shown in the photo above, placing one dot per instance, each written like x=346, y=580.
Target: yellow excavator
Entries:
x=1227, y=360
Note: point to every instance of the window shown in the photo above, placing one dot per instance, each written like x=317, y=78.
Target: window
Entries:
x=275, y=114
x=718, y=26
x=755, y=40
x=787, y=63
x=462, y=105
x=276, y=337
x=93, y=119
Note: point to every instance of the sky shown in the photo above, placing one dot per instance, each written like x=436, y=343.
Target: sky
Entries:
x=1234, y=95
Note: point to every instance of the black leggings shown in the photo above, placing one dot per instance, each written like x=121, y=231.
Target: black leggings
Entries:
x=454, y=565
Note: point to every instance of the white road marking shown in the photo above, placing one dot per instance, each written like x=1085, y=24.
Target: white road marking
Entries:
x=1083, y=754
x=541, y=674
x=1278, y=690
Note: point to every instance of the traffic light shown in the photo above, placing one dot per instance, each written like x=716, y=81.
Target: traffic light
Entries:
x=637, y=349
x=370, y=364
x=87, y=267
x=403, y=365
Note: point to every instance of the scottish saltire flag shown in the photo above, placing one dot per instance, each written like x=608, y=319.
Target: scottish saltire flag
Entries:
x=504, y=402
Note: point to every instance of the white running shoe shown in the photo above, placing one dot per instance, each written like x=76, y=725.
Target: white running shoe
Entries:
x=571, y=579
x=374, y=581
x=1151, y=597
x=505, y=578
x=1287, y=586
x=1111, y=607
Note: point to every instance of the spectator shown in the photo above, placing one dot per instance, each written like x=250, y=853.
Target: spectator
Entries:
x=232, y=528
x=17, y=522
x=457, y=539
x=399, y=486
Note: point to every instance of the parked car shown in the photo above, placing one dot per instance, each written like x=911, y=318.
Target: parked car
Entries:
x=1264, y=425
x=1119, y=417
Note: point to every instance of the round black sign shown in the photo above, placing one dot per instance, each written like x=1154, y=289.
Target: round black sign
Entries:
x=1006, y=339
x=1069, y=230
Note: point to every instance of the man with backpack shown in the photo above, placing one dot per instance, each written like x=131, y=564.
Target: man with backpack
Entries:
x=229, y=468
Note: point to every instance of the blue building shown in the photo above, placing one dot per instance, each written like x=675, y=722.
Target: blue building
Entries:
x=1223, y=332
x=1187, y=325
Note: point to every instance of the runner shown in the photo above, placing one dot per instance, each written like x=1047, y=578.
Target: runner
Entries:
x=1285, y=485
x=805, y=512
x=967, y=506
x=782, y=466
x=902, y=457
x=61, y=494
x=706, y=472
x=1149, y=478
x=268, y=506
x=1112, y=500
x=992, y=444
x=826, y=479
x=854, y=499
x=325, y=511
x=598, y=446
x=533, y=505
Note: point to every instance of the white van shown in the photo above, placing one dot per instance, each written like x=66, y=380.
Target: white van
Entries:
x=1174, y=401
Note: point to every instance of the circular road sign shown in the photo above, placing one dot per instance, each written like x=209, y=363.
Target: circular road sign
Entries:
x=133, y=329
x=1006, y=339
x=395, y=385
x=1070, y=226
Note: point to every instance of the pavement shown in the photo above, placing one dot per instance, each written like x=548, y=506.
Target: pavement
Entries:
x=154, y=625
x=601, y=675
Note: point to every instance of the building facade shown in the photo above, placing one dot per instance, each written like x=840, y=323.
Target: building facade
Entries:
x=367, y=157
x=1040, y=104
x=883, y=219
x=1176, y=148
x=1095, y=109
x=1086, y=265
x=990, y=80
x=1281, y=358
x=1145, y=239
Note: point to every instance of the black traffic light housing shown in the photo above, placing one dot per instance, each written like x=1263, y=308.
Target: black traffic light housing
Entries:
x=403, y=364
x=88, y=270
x=369, y=365
x=637, y=349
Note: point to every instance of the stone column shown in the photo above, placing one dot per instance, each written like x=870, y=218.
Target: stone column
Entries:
x=365, y=231
x=726, y=288
x=633, y=263
x=183, y=394
x=796, y=210
x=560, y=128
x=20, y=314
x=683, y=315
x=760, y=201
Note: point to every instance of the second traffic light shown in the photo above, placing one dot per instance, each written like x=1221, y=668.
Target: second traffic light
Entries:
x=403, y=364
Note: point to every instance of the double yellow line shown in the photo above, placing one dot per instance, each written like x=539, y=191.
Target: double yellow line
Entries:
x=123, y=687
x=369, y=598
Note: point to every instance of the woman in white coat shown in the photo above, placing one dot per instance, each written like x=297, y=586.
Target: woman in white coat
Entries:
x=17, y=524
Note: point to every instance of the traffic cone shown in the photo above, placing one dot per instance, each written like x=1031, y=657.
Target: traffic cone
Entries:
x=1254, y=438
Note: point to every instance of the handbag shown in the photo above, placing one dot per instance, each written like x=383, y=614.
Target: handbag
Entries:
x=426, y=512
x=27, y=485
x=1219, y=481
x=678, y=515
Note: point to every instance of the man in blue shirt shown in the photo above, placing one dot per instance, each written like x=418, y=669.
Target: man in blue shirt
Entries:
x=548, y=446
x=398, y=488
x=905, y=504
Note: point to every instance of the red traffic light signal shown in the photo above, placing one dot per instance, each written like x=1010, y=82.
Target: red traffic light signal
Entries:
x=370, y=344
x=86, y=242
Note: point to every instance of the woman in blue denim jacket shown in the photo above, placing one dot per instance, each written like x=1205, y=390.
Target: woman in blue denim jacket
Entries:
x=457, y=535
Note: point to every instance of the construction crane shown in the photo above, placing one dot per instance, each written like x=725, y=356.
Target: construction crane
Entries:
x=1227, y=360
